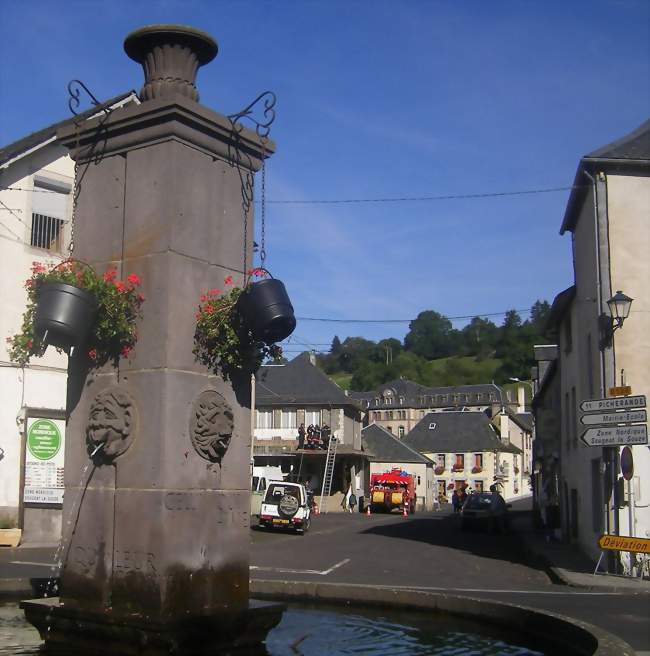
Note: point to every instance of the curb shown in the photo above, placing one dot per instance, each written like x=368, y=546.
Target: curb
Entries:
x=562, y=635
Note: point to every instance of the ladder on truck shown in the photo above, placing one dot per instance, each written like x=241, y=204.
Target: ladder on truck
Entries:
x=328, y=474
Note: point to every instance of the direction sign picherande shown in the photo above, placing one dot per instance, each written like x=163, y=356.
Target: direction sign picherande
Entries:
x=615, y=436
x=618, y=403
x=609, y=418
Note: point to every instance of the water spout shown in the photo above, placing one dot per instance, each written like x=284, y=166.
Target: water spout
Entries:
x=97, y=448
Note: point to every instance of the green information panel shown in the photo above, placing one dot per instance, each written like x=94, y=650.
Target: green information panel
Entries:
x=43, y=439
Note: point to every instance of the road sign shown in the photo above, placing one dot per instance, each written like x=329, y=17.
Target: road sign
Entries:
x=627, y=463
x=615, y=436
x=609, y=418
x=621, y=403
x=624, y=543
x=622, y=390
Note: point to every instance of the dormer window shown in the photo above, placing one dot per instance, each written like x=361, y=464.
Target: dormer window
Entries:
x=432, y=425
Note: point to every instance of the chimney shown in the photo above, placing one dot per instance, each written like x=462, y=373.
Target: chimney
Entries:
x=521, y=399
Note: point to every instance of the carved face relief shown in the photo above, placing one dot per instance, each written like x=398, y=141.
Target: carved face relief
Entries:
x=111, y=423
x=211, y=425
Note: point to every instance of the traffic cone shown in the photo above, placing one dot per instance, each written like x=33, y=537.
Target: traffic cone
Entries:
x=368, y=513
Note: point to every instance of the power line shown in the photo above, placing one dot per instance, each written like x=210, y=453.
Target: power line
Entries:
x=465, y=316
x=397, y=199
x=405, y=199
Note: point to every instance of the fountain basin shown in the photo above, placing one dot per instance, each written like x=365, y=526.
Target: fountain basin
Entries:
x=541, y=631
x=83, y=631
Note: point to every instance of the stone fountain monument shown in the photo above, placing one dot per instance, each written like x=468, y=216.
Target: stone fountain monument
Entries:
x=155, y=543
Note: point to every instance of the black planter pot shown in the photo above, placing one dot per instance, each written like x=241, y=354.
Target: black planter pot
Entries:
x=267, y=311
x=64, y=315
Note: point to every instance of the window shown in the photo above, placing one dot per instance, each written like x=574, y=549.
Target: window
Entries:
x=312, y=417
x=49, y=213
x=264, y=419
x=400, y=431
x=432, y=425
x=478, y=486
x=478, y=460
x=288, y=419
x=460, y=461
x=479, y=396
x=390, y=414
x=389, y=428
x=401, y=400
x=440, y=460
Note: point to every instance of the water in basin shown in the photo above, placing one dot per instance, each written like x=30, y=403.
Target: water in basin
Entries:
x=311, y=630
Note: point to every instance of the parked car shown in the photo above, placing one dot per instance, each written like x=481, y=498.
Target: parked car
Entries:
x=286, y=506
x=483, y=510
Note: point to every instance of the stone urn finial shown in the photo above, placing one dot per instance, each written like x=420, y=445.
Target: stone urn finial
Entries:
x=170, y=56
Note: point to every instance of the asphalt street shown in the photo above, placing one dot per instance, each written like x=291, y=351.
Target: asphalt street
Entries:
x=426, y=551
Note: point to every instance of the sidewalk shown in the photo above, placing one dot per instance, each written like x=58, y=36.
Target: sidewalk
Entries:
x=568, y=565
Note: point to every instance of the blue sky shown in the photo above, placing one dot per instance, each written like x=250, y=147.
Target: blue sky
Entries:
x=381, y=99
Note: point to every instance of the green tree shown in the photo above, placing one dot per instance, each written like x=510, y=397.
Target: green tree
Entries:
x=430, y=335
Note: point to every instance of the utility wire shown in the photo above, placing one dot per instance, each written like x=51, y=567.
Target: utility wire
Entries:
x=397, y=199
x=13, y=213
x=465, y=316
x=405, y=199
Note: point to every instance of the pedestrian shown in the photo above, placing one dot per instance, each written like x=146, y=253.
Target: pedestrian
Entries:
x=455, y=500
x=352, y=501
x=345, y=502
x=436, y=502
x=301, y=436
x=498, y=509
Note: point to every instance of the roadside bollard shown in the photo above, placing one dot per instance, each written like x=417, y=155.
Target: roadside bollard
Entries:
x=368, y=513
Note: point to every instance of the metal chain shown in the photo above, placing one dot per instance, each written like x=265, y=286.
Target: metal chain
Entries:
x=75, y=194
x=263, y=205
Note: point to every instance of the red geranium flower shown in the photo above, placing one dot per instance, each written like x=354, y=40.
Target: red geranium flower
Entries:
x=134, y=279
x=227, y=280
x=92, y=354
x=110, y=275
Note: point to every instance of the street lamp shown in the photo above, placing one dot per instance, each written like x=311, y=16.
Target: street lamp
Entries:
x=619, y=310
x=619, y=307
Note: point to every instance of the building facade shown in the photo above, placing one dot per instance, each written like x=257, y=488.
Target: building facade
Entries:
x=607, y=216
x=36, y=194
x=297, y=394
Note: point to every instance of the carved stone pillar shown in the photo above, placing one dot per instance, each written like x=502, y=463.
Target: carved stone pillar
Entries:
x=156, y=529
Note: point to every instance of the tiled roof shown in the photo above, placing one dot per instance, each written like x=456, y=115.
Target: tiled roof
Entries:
x=456, y=432
x=635, y=145
x=382, y=445
x=415, y=395
x=629, y=153
x=32, y=140
x=298, y=382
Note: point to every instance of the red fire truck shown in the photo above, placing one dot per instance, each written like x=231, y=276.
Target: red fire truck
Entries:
x=393, y=489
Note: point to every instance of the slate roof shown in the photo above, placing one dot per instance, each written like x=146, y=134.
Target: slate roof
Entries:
x=560, y=306
x=298, y=382
x=627, y=153
x=32, y=140
x=523, y=419
x=456, y=432
x=419, y=396
x=382, y=445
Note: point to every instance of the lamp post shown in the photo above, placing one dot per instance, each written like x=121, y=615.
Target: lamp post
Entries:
x=619, y=307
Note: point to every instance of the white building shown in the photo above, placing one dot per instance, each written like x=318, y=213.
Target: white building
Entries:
x=36, y=185
x=608, y=216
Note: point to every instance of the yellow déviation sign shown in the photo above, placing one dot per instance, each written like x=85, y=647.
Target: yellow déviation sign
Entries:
x=624, y=543
x=622, y=390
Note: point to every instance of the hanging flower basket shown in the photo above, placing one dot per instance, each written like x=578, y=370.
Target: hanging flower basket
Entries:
x=516, y=470
x=477, y=469
x=70, y=306
x=450, y=486
x=225, y=340
x=458, y=468
x=439, y=470
x=267, y=311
